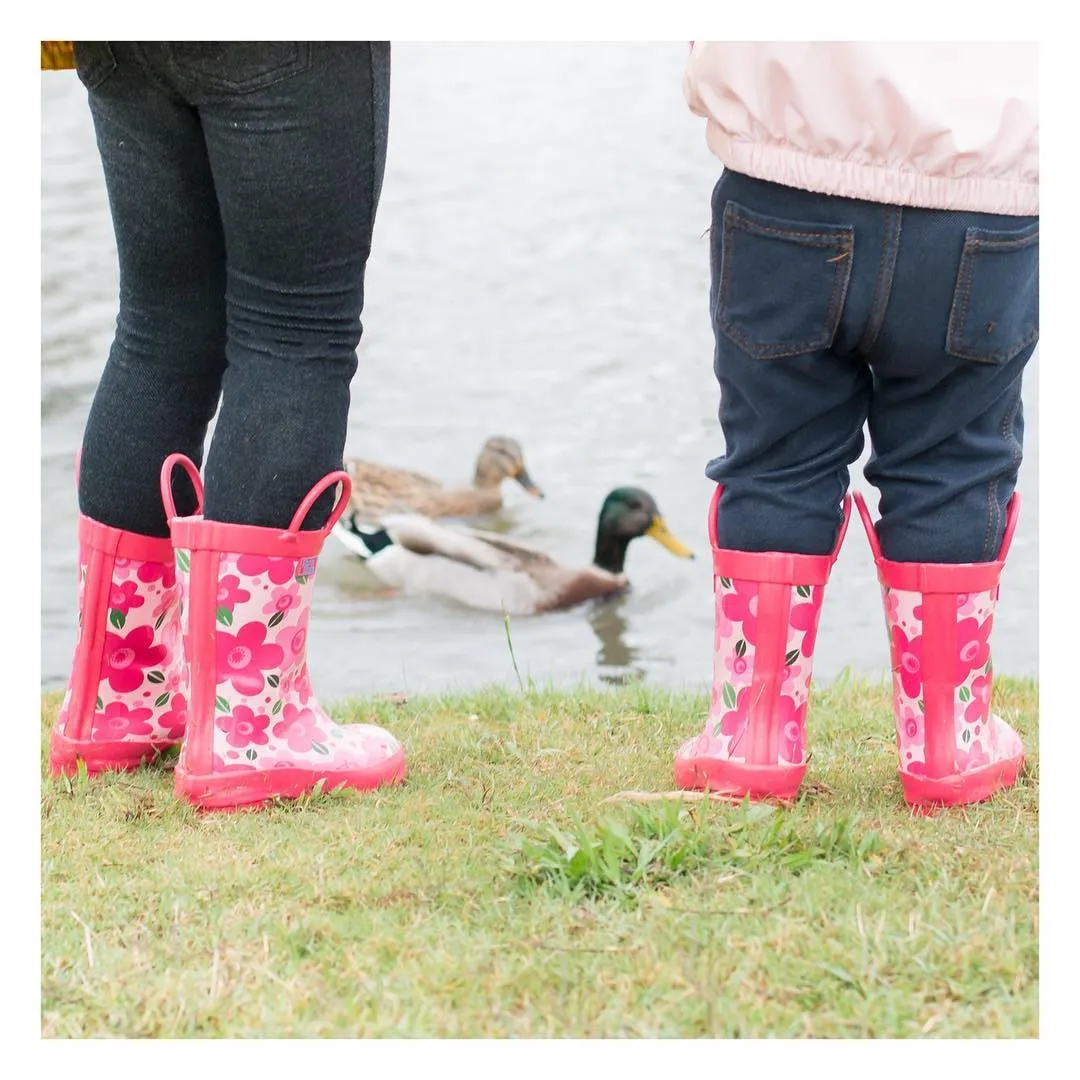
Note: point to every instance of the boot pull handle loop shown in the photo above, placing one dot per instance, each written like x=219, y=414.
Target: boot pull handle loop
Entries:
x=339, y=477
x=1012, y=517
x=714, y=505
x=190, y=468
x=842, y=532
x=868, y=524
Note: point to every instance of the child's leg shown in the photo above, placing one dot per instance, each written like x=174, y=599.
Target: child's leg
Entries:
x=796, y=280
x=296, y=145
x=297, y=168
x=789, y=276
x=946, y=420
x=162, y=380
x=947, y=430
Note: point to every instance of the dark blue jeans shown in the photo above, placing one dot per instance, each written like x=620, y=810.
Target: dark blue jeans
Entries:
x=243, y=179
x=830, y=314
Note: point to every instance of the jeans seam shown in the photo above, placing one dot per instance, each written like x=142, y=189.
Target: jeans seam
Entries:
x=967, y=273
x=1005, y=431
x=890, y=249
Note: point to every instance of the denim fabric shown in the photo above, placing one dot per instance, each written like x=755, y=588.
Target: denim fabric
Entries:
x=830, y=314
x=243, y=179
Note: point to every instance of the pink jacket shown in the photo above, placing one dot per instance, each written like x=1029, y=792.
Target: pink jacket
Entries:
x=951, y=126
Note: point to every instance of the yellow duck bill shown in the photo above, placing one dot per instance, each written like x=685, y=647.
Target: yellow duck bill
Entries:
x=659, y=531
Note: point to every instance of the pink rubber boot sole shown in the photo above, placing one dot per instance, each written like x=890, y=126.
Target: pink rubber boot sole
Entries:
x=736, y=780
x=926, y=795
x=247, y=790
x=65, y=755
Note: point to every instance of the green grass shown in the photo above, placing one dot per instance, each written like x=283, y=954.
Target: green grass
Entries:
x=497, y=893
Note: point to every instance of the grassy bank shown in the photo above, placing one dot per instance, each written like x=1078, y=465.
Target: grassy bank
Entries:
x=497, y=893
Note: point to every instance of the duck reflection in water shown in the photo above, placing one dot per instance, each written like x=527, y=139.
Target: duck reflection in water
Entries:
x=616, y=661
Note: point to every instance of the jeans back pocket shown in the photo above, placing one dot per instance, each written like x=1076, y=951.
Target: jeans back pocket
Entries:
x=782, y=283
x=94, y=62
x=995, y=309
x=237, y=67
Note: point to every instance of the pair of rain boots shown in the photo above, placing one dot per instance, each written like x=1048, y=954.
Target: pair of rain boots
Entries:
x=939, y=616
x=200, y=639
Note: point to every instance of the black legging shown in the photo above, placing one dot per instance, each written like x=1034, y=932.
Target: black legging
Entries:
x=243, y=180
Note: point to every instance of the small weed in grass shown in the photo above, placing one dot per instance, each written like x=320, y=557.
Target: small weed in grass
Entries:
x=616, y=856
x=793, y=848
x=650, y=846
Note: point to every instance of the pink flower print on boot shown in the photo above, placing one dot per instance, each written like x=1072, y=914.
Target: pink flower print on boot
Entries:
x=892, y=606
x=733, y=722
x=793, y=728
x=794, y=680
x=168, y=598
x=909, y=725
x=117, y=721
x=277, y=570
x=293, y=638
x=973, y=646
x=908, y=653
x=282, y=599
x=174, y=722
x=805, y=617
x=124, y=596
x=973, y=757
x=242, y=658
x=723, y=627
x=229, y=593
x=740, y=606
x=979, y=708
x=300, y=729
x=165, y=572
x=738, y=669
x=126, y=659
x=302, y=685
x=244, y=727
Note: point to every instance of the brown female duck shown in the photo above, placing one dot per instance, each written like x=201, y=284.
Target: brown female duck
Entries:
x=384, y=489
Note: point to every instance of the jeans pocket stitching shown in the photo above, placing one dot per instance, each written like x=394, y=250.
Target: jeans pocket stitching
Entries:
x=974, y=242
x=101, y=65
x=265, y=80
x=840, y=239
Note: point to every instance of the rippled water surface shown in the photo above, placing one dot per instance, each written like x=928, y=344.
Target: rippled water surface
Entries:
x=539, y=270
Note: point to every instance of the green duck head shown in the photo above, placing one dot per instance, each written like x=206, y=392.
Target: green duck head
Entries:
x=627, y=513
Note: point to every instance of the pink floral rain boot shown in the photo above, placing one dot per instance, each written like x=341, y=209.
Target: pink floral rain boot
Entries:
x=952, y=748
x=126, y=698
x=255, y=729
x=767, y=609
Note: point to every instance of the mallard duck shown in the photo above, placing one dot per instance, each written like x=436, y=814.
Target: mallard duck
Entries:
x=416, y=555
x=384, y=489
